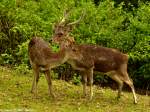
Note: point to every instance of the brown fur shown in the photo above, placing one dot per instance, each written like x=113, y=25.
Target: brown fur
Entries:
x=107, y=60
x=43, y=59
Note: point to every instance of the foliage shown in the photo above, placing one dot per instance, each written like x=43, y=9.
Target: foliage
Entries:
x=22, y=69
x=22, y=53
x=6, y=59
x=76, y=79
x=105, y=24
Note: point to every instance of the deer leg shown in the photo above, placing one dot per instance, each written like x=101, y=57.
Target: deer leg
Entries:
x=120, y=83
x=84, y=84
x=130, y=83
x=35, y=80
x=33, y=84
x=90, y=76
x=49, y=81
x=127, y=80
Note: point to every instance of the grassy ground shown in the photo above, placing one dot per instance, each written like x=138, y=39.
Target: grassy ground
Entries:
x=15, y=96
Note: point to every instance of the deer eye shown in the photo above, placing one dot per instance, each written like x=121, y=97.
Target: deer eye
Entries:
x=60, y=33
x=75, y=50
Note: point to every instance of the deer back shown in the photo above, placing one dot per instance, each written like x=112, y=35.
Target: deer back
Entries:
x=104, y=59
x=41, y=54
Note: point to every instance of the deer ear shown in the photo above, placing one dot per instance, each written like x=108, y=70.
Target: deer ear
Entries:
x=72, y=39
x=74, y=49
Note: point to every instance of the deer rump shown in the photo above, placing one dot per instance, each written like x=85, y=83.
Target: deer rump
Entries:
x=36, y=46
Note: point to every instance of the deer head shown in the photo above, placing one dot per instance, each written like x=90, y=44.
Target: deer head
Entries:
x=61, y=29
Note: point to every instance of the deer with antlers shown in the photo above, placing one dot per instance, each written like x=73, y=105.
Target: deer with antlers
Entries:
x=42, y=58
x=102, y=59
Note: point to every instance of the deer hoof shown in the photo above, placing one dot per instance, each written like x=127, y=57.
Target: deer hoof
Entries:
x=135, y=102
x=53, y=96
x=31, y=91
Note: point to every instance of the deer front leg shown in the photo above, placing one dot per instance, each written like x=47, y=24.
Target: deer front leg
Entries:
x=49, y=81
x=33, y=84
x=90, y=76
x=35, y=80
x=84, y=84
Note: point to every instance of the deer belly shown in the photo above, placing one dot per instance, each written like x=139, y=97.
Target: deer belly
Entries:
x=43, y=68
x=78, y=65
x=74, y=65
x=103, y=67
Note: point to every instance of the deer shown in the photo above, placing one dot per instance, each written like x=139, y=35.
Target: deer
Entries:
x=43, y=59
x=109, y=61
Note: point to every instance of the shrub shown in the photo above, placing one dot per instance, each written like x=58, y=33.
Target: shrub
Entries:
x=104, y=24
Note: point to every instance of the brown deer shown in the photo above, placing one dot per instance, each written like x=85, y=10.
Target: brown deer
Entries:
x=42, y=58
x=107, y=60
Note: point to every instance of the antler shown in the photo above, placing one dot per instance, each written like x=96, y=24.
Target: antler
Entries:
x=77, y=21
x=66, y=13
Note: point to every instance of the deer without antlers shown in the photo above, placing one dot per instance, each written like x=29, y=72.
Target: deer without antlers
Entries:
x=107, y=60
x=42, y=58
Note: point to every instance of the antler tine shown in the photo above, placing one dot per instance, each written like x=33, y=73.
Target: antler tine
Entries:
x=81, y=17
x=66, y=13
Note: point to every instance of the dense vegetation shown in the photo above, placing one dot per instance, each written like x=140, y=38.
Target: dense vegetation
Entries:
x=105, y=24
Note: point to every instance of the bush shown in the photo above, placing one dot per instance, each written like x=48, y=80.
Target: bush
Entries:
x=104, y=24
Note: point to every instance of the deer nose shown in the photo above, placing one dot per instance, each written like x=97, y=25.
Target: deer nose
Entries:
x=50, y=40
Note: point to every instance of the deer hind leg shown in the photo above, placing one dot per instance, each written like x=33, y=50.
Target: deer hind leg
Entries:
x=115, y=77
x=35, y=80
x=49, y=81
x=129, y=82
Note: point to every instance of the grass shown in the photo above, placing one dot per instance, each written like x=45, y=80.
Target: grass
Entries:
x=15, y=96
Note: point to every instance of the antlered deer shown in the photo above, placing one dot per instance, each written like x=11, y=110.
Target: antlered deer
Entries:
x=42, y=58
x=107, y=60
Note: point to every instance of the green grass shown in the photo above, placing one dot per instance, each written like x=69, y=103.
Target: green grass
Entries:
x=15, y=96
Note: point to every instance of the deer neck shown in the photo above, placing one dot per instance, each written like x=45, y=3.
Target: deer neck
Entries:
x=58, y=58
